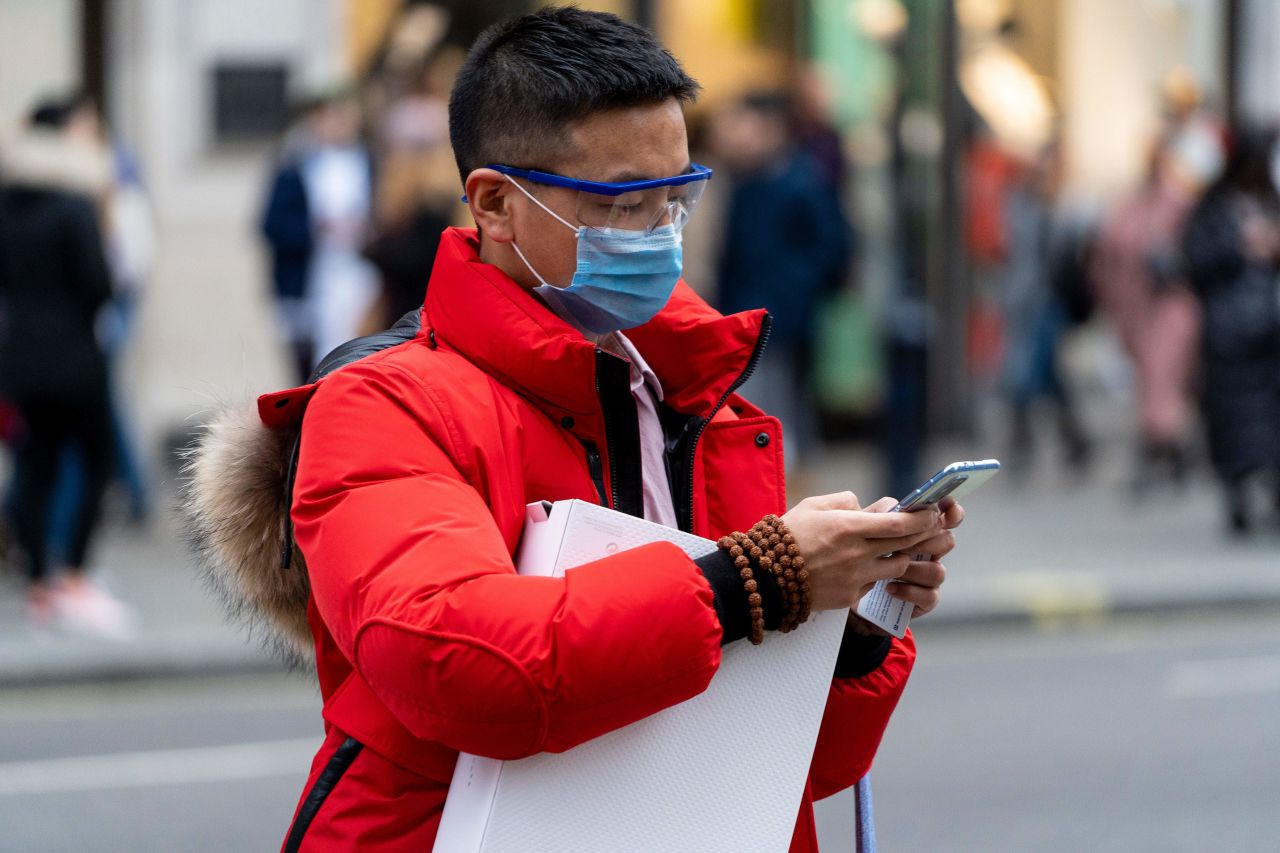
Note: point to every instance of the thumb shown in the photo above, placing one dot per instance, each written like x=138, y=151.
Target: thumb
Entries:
x=839, y=500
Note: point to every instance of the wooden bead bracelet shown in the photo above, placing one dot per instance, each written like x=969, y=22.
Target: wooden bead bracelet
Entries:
x=770, y=547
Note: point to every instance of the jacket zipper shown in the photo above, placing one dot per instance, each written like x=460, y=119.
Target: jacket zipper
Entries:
x=609, y=442
x=765, y=328
x=597, y=472
x=621, y=433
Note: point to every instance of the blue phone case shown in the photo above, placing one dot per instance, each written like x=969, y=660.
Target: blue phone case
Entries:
x=955, y=480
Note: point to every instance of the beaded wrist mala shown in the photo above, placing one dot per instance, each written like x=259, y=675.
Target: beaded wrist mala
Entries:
x=770, y=548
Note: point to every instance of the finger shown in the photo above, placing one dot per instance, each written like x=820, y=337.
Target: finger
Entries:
x=925, y=599
x=952, y=515
x=893, y=525
x=936, y=547
x=929, y=574
x=884, y=568
x=838, y=500
x=882, y=505
x=912, y=545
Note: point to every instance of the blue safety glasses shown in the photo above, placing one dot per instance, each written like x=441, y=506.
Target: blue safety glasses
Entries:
x=627, y=205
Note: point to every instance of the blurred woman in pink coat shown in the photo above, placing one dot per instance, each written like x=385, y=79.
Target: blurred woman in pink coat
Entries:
x=1136, y=271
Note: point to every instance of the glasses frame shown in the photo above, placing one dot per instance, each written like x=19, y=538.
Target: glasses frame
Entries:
x=697, y=172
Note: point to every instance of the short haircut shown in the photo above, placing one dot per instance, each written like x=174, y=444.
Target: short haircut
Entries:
x=525, y=80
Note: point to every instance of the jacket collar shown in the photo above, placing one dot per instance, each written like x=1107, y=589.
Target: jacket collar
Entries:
x=475, y=308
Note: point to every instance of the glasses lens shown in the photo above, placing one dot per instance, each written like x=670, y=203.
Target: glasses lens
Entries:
x=640, y=210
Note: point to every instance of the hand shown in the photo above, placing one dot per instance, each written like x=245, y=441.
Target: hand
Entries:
x=847, y=549
x=920, y=583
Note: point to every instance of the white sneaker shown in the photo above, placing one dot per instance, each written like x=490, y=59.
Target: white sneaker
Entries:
x=89, y=610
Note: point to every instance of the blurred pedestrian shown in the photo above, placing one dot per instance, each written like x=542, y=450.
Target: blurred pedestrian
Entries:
x=286, y=227
x=316, y=221
x=417, y=195
x=410, y=220
x=1034, y=315
x=54, y=280
x=815, y=132
x=1140, y=285
x=130, y=243
x=786, y=245
x=1232, y=247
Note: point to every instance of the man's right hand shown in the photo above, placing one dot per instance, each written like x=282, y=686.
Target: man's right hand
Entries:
x=845, y=547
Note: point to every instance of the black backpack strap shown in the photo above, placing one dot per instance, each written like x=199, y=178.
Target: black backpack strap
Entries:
x=405, y=329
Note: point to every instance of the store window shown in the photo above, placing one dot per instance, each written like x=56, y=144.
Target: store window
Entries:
x=250, y=101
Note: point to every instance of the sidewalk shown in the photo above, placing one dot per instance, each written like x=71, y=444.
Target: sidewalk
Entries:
x=181, y=627
x=1040, y=552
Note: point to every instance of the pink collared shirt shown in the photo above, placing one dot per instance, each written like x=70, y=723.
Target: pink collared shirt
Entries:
x=658, y=505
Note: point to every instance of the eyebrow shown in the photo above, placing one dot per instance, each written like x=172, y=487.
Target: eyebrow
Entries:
x=625, y=177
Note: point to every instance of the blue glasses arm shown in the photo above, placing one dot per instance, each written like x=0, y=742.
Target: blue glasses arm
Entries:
x=696, y=172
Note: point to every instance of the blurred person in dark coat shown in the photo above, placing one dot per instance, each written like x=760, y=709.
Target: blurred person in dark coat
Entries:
x=286, y=227
x=1038, y=245
x=315, y=221
x=786, y=245
x=54, y=280
x=1232, y=248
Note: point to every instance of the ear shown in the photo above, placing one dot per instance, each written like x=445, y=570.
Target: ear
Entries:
x=488, y=196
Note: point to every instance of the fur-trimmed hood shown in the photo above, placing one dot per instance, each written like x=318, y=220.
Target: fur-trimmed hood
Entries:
x=235, y=509
x=237, y=484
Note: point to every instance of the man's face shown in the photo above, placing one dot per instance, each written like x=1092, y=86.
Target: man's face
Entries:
x=629, y=144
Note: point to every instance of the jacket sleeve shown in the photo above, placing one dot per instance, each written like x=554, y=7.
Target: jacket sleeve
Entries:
x=858, y=711
x=415, y=582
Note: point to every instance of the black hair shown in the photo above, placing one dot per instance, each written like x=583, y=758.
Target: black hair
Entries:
x=1248, y=166
x=53, y=113
x=525, y=80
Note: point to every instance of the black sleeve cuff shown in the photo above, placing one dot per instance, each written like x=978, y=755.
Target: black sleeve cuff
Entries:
x=860, y=655
x=731, y=597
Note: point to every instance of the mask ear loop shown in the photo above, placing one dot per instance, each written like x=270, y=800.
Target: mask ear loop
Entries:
x=529, y=266
x=531, y=198
x=516, y=246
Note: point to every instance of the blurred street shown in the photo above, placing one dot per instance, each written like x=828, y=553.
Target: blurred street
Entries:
x=1132, y=735
x=1042, y=551
x=1140, y=735
x=1036, y=719
x=1045, y=231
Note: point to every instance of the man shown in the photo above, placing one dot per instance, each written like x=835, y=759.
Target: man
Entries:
x=315, y=222
x=54, y=281
x=786, y=246
x=416, y=462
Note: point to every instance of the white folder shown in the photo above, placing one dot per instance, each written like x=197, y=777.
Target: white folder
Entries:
x=723, y=771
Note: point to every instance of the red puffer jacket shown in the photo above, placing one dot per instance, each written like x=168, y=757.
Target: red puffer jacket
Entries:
x=415, y=468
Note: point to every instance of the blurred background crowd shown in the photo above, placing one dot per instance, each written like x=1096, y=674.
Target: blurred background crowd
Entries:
x=1045, y=230
x=989, y=218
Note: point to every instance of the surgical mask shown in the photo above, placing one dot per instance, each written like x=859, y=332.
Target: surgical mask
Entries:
x=622, y=279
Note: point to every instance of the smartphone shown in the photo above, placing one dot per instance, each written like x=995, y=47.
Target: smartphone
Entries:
x=955, y=480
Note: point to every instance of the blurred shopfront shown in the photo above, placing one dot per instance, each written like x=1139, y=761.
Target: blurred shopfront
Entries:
x=201, y=89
